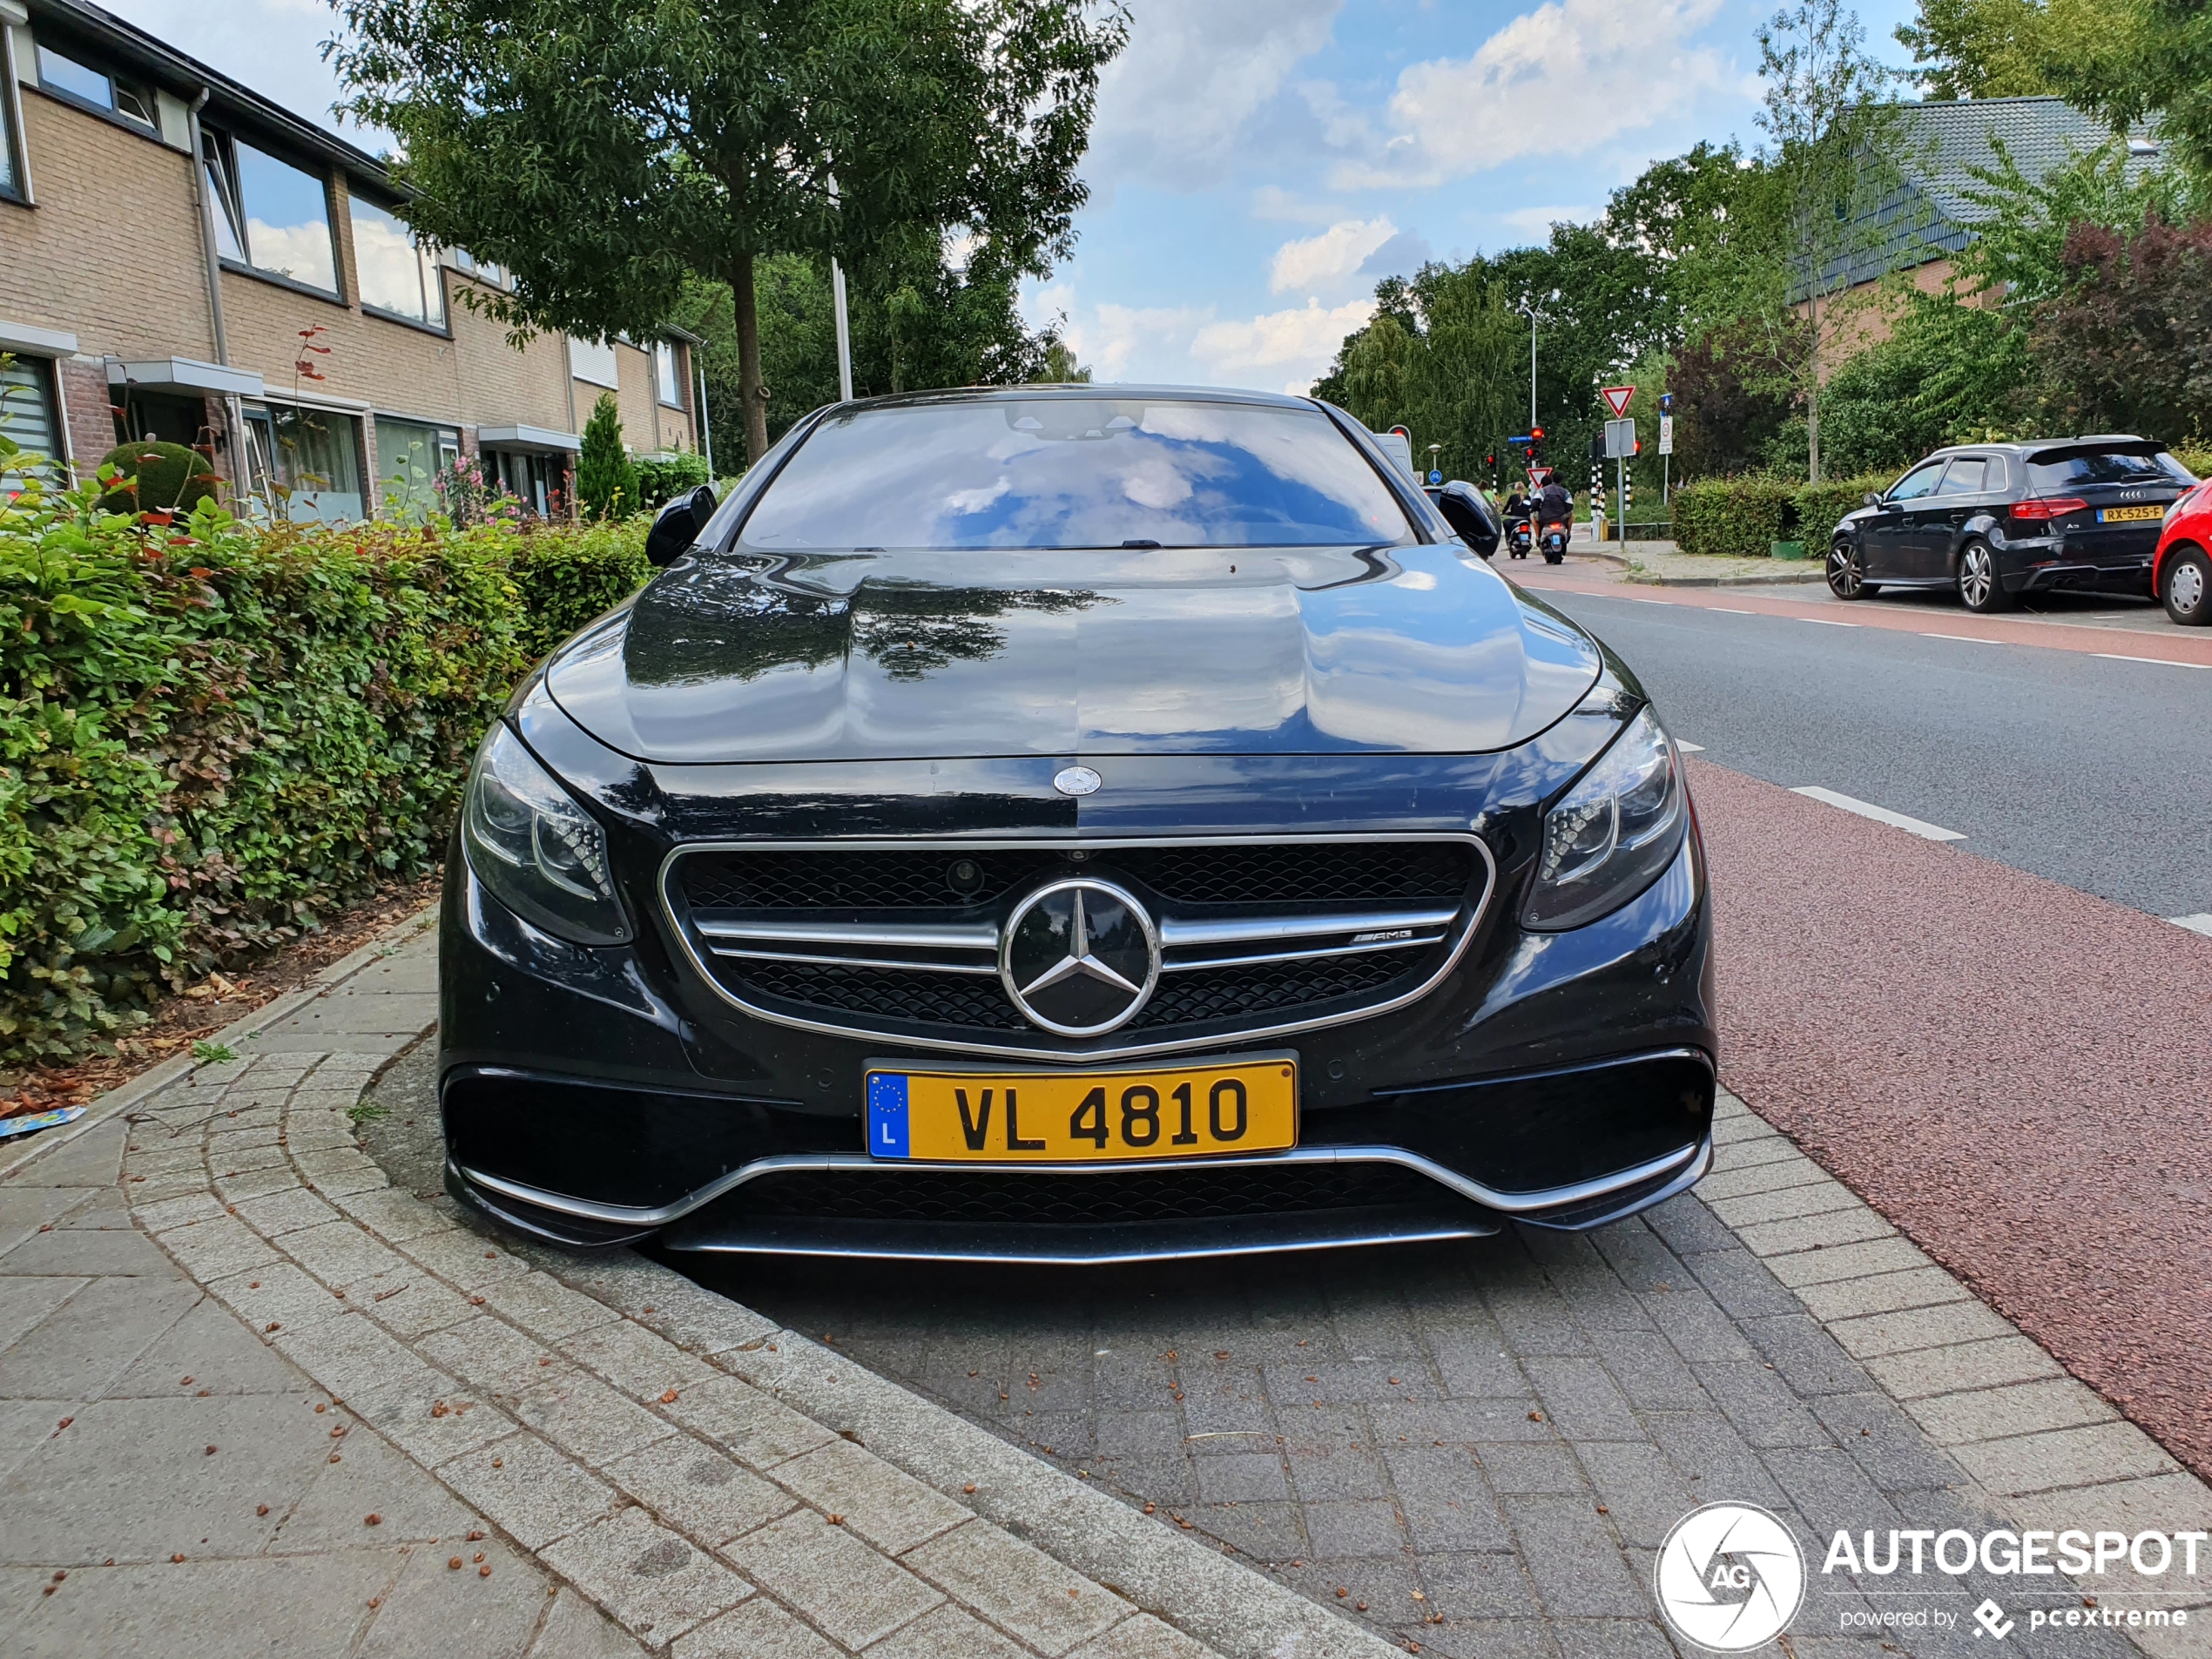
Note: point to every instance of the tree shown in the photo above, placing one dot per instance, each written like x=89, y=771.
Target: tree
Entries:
x=2127, y=347
x=606, y=479
x=2157, y=65
x=1731, y=400
x=1834, y=135
x=1977, y=49
x=604, y=154
x=1951, y=371
x=916, y=322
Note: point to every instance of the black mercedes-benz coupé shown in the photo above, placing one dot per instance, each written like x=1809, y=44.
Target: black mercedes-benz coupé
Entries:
x=1075, y=823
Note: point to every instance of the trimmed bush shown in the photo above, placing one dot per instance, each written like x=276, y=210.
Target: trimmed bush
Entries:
x=664, y=476
x=566, y=577
x=1821, y=506
x=210, y=732
x=1741, y=517
x=156, y=477
x=2197, y=460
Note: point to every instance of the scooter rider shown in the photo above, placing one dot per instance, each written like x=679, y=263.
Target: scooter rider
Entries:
x=1553, y=505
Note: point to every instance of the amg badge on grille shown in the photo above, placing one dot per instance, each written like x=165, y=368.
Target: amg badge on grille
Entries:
x=1077, y=780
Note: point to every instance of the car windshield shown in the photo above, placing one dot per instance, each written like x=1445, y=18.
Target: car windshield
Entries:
x=2049, y=474
x=1075, y=472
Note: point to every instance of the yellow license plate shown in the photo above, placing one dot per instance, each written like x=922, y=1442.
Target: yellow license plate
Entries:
x=2128, y=515
x=1203, y=1109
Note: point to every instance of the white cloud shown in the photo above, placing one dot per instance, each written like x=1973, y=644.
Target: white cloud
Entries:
x=1538, y=221
x=1289, y=347
x=1316, y=264
x=274, y=46
x=1174, y=106
x=1563, y=80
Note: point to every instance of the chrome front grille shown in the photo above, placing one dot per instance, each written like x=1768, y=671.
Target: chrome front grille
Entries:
x=902, y=941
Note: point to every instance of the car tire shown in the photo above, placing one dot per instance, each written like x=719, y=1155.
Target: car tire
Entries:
x=1981, y=587
x=1847, y=573
x=2185, y=589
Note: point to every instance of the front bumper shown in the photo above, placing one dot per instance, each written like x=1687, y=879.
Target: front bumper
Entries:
x=594, y=1096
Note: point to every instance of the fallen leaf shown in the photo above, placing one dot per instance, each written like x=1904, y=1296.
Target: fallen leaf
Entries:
x=372, y=1520
x=669, y=1398
x=260, y=1509
x=970, y=1487
x=837, y=1521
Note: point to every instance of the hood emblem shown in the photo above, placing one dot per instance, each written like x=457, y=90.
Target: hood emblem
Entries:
x=1076, y=781
x=1079, y=957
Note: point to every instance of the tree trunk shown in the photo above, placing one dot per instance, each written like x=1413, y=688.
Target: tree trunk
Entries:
x=750, y=391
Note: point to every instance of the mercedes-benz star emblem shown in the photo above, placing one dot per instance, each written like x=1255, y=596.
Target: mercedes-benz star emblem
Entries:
x=1080, y=957
x=1076, y=781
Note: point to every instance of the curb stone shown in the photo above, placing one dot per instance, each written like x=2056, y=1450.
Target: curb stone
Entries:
x=595, y=1374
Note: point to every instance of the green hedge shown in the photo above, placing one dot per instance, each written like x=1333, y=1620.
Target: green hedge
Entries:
x=663, y=477
x=1739, y=517
x=212, y=732
x=1821, y=506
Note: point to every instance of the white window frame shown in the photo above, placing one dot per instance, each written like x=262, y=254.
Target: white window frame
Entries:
x=14, y=18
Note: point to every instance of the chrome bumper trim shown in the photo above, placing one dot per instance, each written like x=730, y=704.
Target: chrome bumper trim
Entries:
x=1506, y=1203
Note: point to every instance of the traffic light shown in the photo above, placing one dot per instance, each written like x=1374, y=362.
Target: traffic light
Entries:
x=1537, y=432
x=1490, y=461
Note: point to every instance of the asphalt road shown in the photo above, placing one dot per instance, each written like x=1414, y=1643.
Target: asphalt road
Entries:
x=2085, y=769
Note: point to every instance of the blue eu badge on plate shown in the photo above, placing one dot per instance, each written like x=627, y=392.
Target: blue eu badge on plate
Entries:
x=886, y=1114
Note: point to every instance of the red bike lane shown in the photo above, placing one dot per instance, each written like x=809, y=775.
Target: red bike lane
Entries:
x=2017, y=1074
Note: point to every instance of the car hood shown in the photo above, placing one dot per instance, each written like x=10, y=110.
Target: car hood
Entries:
x=877, y=656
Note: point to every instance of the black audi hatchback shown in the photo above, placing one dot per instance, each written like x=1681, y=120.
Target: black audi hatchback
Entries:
x=1075, y=824
x=1996, y=521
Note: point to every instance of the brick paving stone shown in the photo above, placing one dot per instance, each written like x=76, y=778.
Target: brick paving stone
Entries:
x=838, y=1582
x=756, y=1629
x=699, y=1490
x=2064, y=1457
x=1971, y=1365
x=529, y=1488
x=1916, y=1287
x=751, y=1427
x=1142, y=1637
x=884, y=1505
x=654, y=1581
x=1998, y=1413
x=943, y=1631
x=587, y=1418
x=634, y=1359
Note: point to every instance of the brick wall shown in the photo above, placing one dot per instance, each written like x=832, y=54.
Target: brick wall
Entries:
x=646, y=422
x=87, y=409
x=112, y=252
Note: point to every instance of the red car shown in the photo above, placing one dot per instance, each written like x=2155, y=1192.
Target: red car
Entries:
x=2181, y=570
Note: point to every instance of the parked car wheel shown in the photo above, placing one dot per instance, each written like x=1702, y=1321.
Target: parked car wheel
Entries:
x=2186, y=589
x=1979, y=583
x=1847, y=573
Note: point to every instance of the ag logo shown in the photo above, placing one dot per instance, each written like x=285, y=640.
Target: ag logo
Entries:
x=1730, y=1577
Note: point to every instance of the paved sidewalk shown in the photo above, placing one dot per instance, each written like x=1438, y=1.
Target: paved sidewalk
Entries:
x=253, y=1399
x=256, y=1397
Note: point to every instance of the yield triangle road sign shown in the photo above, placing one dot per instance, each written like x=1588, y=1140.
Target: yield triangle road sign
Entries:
x=1618, y=396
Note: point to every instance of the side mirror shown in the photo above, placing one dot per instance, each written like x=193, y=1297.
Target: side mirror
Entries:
x=1466, y=511
x=1873, y=498
x=677, y=525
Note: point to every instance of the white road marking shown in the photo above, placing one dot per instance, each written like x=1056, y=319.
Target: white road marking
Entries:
x=1689, y=748
x=1926, y=831
x=2162, y=661
x=1964, y=639
x=2200, y=923
x=1825, y=623
x=1729, y=611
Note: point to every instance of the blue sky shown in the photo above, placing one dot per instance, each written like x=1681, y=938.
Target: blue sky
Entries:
x=1256, y=165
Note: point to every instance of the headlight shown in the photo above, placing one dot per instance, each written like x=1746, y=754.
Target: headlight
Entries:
x=540, y=854
x=1613, y=834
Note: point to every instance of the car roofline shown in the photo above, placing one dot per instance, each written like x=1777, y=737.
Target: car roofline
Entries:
x=1076, y=389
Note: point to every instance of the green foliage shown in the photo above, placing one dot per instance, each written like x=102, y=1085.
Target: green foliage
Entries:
x=1742, y=516
x=2129, y=347
x=212, y=732
x=1731, y=402
x=1950, y=371
x=604, y=154
x=1822, y=506
x=1979, y=48
x=2019, y=248
x=663, y=476
x=2143, y=60
x=606, y=482
x=213, y=1054
x=564, y=577
x=155, y=478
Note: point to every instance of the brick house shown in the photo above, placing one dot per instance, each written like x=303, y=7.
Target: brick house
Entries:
x=182, y=259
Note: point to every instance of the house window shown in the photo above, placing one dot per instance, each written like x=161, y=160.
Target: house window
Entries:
x=594, y=360
x=484, y=271
x=671, y=386
x=131, y=100
x=536, y=480
x=409, y=457
x=271, y=215
x=306, y=463
x=397, y=271
x=30, y=420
